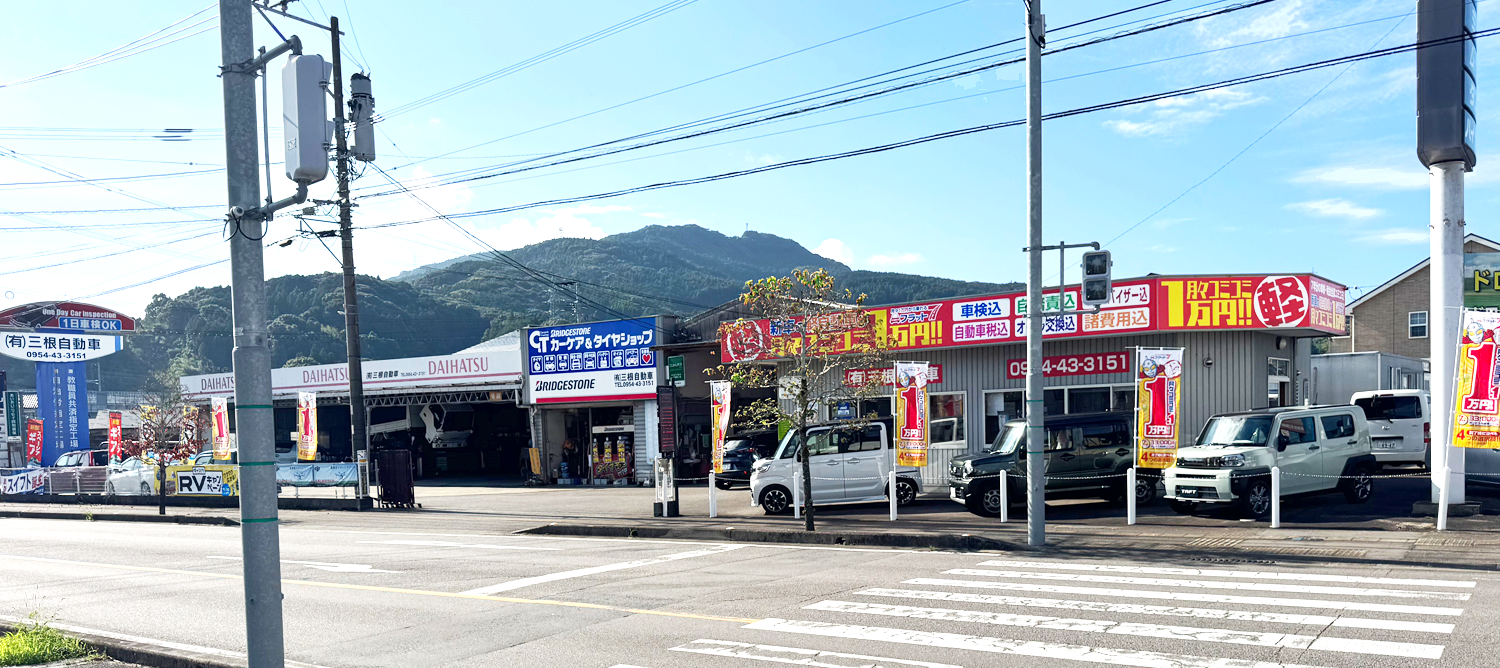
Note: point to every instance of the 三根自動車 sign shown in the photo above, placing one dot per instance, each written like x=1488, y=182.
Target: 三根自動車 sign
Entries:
x=610, y=360
x=58, y=347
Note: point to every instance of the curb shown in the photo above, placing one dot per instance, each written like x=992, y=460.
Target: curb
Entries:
x=144, y=654
x=960, y=542
x=121, y=517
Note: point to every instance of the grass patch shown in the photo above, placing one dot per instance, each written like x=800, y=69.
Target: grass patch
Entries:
x=36, y=643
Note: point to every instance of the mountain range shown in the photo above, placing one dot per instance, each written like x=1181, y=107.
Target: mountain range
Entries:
x=443, y=307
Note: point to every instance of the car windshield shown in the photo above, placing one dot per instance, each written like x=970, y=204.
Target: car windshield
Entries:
x=1008, y=440
x=1236, y=430
x=737, y=443
x=1390, y=408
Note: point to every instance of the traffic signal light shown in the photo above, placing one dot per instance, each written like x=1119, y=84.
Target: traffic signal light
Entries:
x=1096, y=281
x=304, y=113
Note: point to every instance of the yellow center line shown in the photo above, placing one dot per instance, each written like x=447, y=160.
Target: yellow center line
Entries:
x=391, y=590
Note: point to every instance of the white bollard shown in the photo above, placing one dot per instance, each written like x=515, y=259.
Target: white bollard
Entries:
x=1130, y=496
x=713, y=497
x=892, y=488
x=1275, y=497
x=797, y=493
x=1004, y=498
x=1442, y=520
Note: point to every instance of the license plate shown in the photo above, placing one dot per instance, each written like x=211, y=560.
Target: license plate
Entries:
x=1385, y=445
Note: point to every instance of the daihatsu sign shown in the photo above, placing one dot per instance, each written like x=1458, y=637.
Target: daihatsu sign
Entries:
x=472, y=369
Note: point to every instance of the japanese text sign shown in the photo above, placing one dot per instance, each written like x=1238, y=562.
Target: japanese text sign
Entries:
x=910, y=406
x=1476, y=409
x=720, y=389
x=58, y=347
x=307, y=426
x=219, y=423
x=886, y=376
x=610, y=360
x=34, y=438
x=116, y=435
x=71, y=316
x=1158, y=400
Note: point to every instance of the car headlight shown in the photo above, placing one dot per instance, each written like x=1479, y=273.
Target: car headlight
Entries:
x=1232, y=460
x=968, y=467
x=762, y=465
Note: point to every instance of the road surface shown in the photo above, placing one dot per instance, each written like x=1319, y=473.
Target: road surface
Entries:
x=403, y=597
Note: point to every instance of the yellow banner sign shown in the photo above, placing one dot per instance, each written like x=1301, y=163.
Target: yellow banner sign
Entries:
x=1158, y=399
x=307, y=426
x=1476, y=410
x=910, y=407
x=720, y=389
x=219, y=414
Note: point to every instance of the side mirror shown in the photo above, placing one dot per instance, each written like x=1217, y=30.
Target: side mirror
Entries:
x=1281, y=442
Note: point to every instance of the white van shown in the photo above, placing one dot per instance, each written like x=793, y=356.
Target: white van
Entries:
x=849, y=465
x=1400, y=424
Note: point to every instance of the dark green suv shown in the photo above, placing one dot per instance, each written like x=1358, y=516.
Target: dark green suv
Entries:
x=1087, y=455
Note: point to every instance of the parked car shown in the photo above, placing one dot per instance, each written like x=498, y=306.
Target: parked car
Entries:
x=1086, y=454
x=741, y=451
x=130, y=477
x=1400, y=424
x=207, y=457
x=849, y=465
x=82, y=458
x=1315, y=446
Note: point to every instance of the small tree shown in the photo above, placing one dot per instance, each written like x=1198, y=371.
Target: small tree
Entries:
x=817, y=332
x=171, y=430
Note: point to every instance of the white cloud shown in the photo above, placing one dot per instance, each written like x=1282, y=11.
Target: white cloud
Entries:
x=1173, y=114
x=1285, y=19
x=968, y=82
x=565, y=223
x=835, y=250
x=1396, y=235
x=1162, y=249
x=653, y=214
x=1383, y=177
x=1335, y=207
x=894, y=260
x=762, y=159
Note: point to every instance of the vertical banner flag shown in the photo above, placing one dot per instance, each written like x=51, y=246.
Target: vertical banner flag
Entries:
x=34, y=437
x=116, y=436
x=911, y=413
x=307, y=426
x=1158, y=398
x=219, y=414
x=1476, y=410
x=720, y=389
x=63, y=406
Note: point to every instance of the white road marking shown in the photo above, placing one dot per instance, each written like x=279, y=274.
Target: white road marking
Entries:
x=325, y=566
x=527, y=582
x=165, y=644
x=1213, y=584
x=1378, y=647
x=1045, y=650
x=1223, y=573
x=795, y=655
x=1166, y=610
x=768, y=546
x=446, y=543
x=1194, y=596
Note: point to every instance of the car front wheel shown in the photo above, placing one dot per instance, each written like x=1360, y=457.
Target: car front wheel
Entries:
x=906, y=492
x=775, y=500
x=1256, y=501
x=985, y=502
x=146, y=488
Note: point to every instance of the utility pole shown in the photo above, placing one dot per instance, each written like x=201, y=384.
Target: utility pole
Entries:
x=1036, y=434
x=259, y=539
x=357, y=415
x=1445, y=144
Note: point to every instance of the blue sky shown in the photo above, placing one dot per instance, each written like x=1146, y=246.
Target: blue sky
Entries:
x=1335, y=189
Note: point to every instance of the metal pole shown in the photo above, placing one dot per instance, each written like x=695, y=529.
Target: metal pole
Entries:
x=1036, y=508
x=713, y=499
x=797, y=494
x=260, y=544
x=1275, y=497
x=1130, y=496
x=1443, y=316
x=357, y=413
x=1444, y=497
x=891, y=491
x=1004, y=498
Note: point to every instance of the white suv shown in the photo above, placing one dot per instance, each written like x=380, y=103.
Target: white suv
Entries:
x=1315, y=447
x=849, y=465
x=1400, y=424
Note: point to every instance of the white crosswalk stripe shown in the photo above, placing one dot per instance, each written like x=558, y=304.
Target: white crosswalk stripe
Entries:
x=1212, y=584
x=1244, y=575
x=1416, y=650
x=1166, y=610
x=796, y=655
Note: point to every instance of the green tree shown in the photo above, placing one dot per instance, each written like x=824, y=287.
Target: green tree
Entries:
x=826, y=332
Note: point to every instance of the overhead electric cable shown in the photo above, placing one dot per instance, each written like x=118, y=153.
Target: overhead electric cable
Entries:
x=151, y=41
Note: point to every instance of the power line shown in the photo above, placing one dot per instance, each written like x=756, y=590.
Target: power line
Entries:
x=1296, y=69
x=149, y=42
x=93, y=211
x=537, y=59
x=809, y=108
x=25, y=185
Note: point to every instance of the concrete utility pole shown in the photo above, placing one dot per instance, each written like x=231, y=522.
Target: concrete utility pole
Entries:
x=1036, y=481
x=357, y=413
x=1447, y=285
x=259, y=539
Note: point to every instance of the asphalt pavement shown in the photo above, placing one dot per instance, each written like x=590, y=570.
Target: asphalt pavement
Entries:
x=401, y=597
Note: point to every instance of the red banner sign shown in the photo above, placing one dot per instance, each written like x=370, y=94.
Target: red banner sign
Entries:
x=1300, y=301
x=34, y=437
x=65, y=315
x=1073, y=365
x=116, y=435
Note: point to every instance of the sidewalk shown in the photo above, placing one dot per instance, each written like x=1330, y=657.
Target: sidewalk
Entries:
x=1323, y=528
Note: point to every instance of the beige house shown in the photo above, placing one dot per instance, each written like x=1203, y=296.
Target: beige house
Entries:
x=1393, y=317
